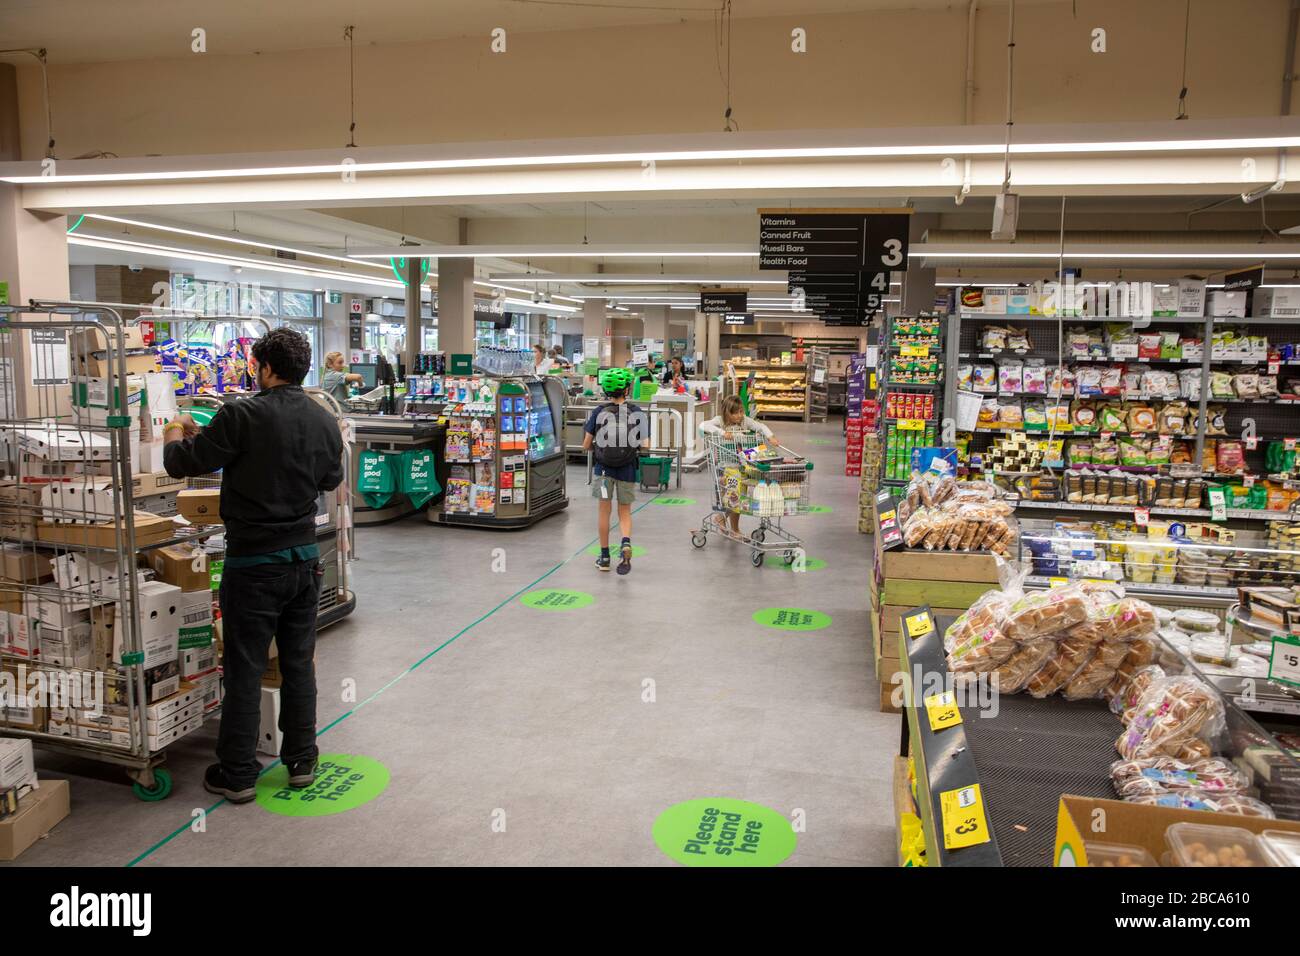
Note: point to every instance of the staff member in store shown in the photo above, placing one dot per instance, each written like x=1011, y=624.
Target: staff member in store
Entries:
x=675, y=373
x=277, y=451
x=542, y=362
x=337, y=378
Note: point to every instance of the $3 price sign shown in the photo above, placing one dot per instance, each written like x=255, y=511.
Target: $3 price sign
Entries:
x=964, y=823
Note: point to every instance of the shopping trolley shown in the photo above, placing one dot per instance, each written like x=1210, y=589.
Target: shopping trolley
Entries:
x=767, y=482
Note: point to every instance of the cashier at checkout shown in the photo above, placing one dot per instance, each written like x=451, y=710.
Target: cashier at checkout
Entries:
x=276, y=451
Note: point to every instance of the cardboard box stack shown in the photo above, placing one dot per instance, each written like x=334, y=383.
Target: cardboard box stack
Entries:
x=29, y=807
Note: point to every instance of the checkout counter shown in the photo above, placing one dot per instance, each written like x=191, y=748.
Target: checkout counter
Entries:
x=394, y=433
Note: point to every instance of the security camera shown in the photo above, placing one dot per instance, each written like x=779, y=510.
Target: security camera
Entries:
x=134, y=268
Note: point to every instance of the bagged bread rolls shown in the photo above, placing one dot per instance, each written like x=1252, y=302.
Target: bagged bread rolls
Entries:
x=1172, y=714
x=1072, y=655
x=1134, y=619
x=1096, y=675
x=1163, y=774
x=975, y=641
x=1045, y=612
x=1127, y=687
x=1027, y=661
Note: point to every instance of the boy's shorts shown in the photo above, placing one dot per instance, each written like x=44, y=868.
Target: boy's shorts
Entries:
x=603, y=486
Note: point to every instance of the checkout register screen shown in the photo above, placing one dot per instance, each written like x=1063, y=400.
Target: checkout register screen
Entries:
x=541, y=424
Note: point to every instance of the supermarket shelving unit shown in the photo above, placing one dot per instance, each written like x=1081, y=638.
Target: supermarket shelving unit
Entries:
x=818, y=392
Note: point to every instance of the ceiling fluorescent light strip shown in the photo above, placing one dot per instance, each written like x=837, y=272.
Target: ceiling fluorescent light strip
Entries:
x=666, y=156
x=216, y=258
x=231, y=239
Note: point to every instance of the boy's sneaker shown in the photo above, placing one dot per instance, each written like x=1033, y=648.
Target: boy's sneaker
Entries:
x=602, y=563
x=215, y=781
x=625, y=558
x=302, y=774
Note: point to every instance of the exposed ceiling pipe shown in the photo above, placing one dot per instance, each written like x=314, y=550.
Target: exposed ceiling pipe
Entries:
x=969, y=106
x=1288, y=65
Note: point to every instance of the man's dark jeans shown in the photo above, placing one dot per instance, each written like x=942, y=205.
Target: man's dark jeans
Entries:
x=257, y=604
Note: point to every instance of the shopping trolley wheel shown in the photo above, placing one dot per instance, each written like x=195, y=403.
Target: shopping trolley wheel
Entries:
x=757, y=558
x=757, y=537
x=789, y=557
x=161, y=789
x=699, y=539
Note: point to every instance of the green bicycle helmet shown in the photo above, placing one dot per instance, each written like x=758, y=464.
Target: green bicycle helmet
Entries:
x=614, y=380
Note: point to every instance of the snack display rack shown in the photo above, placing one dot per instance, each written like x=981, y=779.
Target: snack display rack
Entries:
x=996, y=778
x=911, y=378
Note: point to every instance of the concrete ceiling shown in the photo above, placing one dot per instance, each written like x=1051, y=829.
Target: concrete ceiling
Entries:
x=79, y=31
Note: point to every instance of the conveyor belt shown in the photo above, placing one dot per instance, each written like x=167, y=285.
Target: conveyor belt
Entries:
x=1028, y=755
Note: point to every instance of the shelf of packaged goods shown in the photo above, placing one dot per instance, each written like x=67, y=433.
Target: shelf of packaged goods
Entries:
x=1112, y=509
x=884, y=386
x=1013, y=317
x=1152, y=590
x=928, y=421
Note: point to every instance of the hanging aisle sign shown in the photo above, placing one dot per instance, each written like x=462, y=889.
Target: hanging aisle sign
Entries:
x=738, y=318
x=833, y=240
x=848, y=298
x=723, y=301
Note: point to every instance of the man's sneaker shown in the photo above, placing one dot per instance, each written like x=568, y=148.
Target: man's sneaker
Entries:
x=302, y=774
x=625, y=559
x=215, y=781
x=602, y=563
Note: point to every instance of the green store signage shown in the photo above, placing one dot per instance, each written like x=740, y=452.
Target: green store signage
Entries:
x=552, y=599
x=792, y=618
x=343, y=782
x=721, y=831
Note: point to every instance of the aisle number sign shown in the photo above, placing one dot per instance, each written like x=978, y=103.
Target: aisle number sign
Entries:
x=942, y=711
x=964, y=823
x=1284, y=664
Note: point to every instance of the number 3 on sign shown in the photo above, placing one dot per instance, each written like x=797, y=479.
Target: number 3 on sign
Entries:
x=963, y=818
x=919, y=624
x=942, y=711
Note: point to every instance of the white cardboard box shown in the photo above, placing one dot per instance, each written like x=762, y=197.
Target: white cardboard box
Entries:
x=75, y=571
x=55, y=442
x=208, y=688
x=270, y=738
x=67, y=647
x=1191, y=298
x=160, y=609
x=151, y=456
x=1224, y=304
x=24, y=638
x=62, y=610
x=80, y=501
x=17, y=766
x=198, y=661
x=1275, y=303
x=1165, y=302
x=196, y=608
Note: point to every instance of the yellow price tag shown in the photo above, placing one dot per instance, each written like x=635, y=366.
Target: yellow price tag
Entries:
x=942, y=710
x=911, y=424
x=1058, y=582
x=919, y=624
x=915, y=351
x=873, y=380
x=964, y=823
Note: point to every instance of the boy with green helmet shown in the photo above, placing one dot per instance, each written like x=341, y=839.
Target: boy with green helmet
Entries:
x=616, y=432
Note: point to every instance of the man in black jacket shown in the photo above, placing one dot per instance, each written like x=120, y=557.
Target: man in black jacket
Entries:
x=276, y=451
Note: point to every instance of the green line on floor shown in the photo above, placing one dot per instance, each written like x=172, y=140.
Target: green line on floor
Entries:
x=338, y=720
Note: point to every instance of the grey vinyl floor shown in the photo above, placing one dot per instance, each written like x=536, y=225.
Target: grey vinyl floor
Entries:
x=485, y=710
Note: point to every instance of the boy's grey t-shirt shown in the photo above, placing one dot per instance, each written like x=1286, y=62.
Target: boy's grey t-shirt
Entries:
x=625, y=425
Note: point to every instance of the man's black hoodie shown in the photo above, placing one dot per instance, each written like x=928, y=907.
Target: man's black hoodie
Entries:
x=277, y=451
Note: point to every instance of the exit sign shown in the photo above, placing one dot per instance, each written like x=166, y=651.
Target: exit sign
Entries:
x=335, y=298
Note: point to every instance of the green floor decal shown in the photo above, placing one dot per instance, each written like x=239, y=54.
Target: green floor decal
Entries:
x=554, y=599
x=792, y=618
x=721, y=831
x=809, y=564
x=343, y=782
x=819, y=509
x=672, y=501
x=594, y=550
x=822, y=441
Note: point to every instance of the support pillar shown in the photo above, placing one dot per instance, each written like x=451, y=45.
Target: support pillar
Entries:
x=595, y=325
x=456, y=306
x=712, y=361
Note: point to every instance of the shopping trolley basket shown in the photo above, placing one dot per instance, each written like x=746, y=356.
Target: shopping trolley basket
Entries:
x=757, y=480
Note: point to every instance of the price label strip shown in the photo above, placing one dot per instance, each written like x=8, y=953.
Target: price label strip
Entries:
x=919, y=624
x=942, y=711
x=964, y=823
x=915, y=351
x=911, y=424
x=1284, y=664
x=1218, y=505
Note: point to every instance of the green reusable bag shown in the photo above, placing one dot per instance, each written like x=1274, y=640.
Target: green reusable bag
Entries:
x=376, y=482
x=419, y=483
